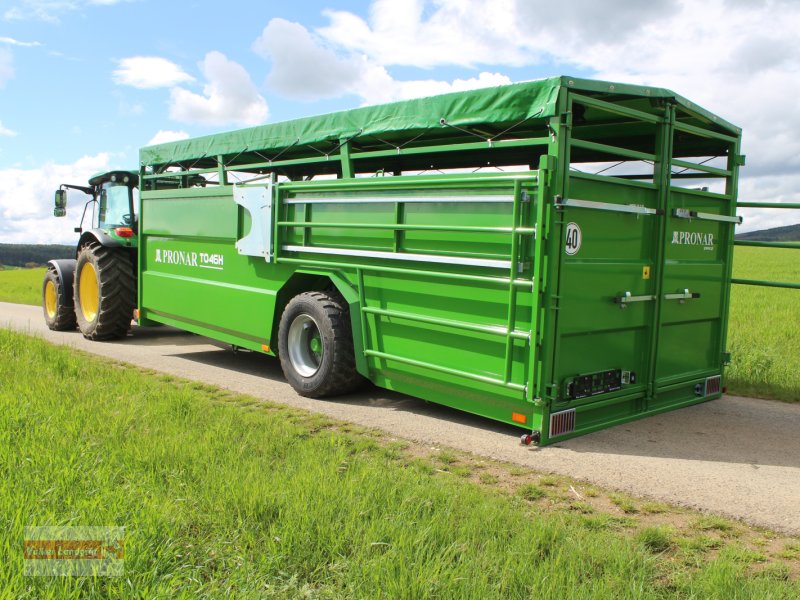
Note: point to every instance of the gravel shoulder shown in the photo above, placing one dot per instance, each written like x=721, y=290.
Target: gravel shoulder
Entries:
x=739, y=457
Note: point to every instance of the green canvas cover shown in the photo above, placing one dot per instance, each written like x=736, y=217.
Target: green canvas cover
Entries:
x=507, y=104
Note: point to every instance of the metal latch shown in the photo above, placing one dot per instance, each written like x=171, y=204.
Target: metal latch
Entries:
x=682, y=296
x=627, y=298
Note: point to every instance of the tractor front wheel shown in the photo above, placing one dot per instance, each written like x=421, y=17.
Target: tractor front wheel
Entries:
x=105, y=292
x=59, y=313
x=315, y=345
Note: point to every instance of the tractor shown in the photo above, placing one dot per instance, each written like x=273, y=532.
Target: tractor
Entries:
x=97, y=289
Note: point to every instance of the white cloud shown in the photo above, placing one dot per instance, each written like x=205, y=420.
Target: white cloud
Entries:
x=13, y=42
x=304, y=67
x=26, y=200
x=163, y=136
x=738, y=58
x=229, y=96
x=6, y=131
x=149, y=72
x=6, y=66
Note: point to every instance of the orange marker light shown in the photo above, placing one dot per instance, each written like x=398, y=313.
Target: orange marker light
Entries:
x=124, y=232
x=136, y=314
x=265, y=348
x=519, y=418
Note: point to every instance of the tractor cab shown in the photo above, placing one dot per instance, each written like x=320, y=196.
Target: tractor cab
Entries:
x=114, y=202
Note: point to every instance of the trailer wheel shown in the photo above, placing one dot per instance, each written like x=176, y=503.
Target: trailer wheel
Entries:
x=59, y=313
x=315, y=345
x=104, y=292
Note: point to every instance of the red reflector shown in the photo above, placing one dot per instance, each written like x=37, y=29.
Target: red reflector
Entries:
x=124, y=232
x=519, y=418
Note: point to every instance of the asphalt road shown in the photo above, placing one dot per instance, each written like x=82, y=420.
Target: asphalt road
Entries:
x=738, y=457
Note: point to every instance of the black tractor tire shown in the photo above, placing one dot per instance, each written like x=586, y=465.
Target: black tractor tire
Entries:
x=59, y=313
x=107, y=314
x=318, y=320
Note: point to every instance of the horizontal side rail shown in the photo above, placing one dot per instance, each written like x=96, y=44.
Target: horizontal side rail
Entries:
x=430, y=258
x=698, y=167
x=500, y=281
x=790, y=205
x=699, y=131
x=390, y=226
x=616, y=109
x=494, y=144
x=757, y=244
x=490, y=329
x=471, y=181
x=616, y=150
x=775, y=284
x=447, y=370
x=476, y=198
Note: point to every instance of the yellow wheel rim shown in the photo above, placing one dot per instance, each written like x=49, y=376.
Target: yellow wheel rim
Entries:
x=89, y=293
x=50, y=299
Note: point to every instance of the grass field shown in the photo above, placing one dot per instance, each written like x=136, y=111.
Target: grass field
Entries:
x=763, y=337
x=222, y=495
x=23, y=286
x=764, y=331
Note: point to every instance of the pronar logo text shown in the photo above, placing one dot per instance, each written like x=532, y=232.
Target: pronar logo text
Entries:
x=190, y=259
x=693, y=238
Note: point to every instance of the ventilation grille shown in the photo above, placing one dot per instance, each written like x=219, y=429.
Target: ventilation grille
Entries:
x=562, y=422
x=713, y=385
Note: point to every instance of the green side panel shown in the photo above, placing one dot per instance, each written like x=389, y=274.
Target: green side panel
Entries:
x=193, y=276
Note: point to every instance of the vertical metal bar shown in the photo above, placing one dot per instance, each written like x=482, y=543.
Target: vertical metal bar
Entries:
x=399, y=217
x=732, y=190
x=346, y=159
x=362, y=304
x=222, y=173
x=662, y=177
x=306, y=219
x=559, y=150
x=537, y=260
x=512, y=290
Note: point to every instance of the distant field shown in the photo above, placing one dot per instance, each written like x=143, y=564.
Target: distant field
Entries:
x=222, y=495
x=23, y=286
x=763, y=336
x=764, y=330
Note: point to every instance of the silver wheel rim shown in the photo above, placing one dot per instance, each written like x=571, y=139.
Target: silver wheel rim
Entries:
x=305, y=345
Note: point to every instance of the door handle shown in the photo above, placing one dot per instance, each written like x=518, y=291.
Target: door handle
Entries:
x=628, y=298
x=682, y=297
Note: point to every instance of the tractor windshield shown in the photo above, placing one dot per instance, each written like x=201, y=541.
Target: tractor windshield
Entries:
x=115, y=205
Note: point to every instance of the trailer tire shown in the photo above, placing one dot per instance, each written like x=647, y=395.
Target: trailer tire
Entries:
x=315, y=345
x=59, y=313
x=104, y=292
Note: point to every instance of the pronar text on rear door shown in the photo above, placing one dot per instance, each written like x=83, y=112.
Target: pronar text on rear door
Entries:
x=606, y=291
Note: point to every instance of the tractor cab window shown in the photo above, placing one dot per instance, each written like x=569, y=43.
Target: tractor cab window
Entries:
x=115, y=207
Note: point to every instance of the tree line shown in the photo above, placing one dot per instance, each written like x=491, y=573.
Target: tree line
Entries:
x=33, y=255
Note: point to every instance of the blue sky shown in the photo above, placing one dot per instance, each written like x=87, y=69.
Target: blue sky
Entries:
x=85, y=83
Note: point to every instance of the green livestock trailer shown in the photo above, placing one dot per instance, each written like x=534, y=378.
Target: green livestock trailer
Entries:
x=553, y=254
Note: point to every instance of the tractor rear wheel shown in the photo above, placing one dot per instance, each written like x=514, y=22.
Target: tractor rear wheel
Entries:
x=105, y=292
x=59, y=313
x=315, y=345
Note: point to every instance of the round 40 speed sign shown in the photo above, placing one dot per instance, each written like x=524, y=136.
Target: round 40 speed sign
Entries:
x=574, y=238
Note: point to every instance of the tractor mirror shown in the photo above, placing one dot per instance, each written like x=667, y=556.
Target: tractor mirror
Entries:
x=61, y=203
